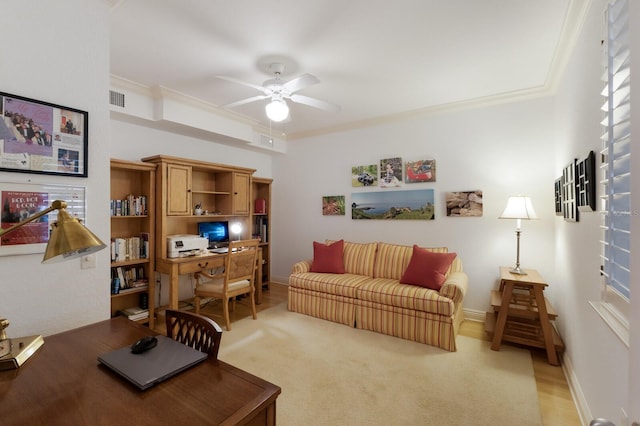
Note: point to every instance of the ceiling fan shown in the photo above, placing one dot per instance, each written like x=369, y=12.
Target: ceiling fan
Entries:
x=279, y=91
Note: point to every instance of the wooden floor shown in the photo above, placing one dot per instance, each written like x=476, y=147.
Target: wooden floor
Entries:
x=556, y=404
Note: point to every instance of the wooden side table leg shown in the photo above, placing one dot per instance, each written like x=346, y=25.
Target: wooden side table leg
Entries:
x=502, y=316
x=545, y=324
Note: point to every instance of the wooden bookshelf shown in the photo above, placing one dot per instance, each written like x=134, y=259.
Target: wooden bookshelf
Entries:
x=131, y=181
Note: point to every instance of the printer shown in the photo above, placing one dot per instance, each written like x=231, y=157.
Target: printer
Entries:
x=185, y=245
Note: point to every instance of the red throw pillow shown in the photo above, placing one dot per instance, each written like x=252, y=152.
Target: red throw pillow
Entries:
x=427, y=269
x=328, y=258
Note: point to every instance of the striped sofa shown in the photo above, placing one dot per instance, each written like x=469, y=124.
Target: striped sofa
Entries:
x=369, y=295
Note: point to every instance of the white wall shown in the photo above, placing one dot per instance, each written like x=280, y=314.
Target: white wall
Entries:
x=597, y=360
x=502, y=150
x=59, y=54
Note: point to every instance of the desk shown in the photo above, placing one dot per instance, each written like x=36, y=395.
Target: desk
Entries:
x=188, y=265
x=64, y=384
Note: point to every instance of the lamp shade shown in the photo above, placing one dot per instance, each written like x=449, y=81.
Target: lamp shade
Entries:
x=70, y=239
x=519, y=207
x=277, y=110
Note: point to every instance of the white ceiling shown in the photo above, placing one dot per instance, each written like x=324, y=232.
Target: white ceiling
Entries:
x=374, y=58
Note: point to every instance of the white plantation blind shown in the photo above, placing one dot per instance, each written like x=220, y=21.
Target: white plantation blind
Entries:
x=616, y=156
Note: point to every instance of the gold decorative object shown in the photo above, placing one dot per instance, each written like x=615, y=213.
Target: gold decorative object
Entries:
x=69, y=239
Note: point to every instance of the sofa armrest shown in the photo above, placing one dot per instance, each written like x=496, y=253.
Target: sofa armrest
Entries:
x=455, y=286
x=301, y=267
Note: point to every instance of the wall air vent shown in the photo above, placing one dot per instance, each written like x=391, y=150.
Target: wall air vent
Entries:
x=116, y=98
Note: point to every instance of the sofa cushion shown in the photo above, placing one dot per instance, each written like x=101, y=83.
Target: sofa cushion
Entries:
x=392, y=259
x=387, y=291
x=427, y=269
x=338, y=284
x=359, y=258
x=328, y=257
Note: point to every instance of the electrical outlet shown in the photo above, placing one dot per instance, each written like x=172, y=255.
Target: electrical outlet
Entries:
x=88, y=261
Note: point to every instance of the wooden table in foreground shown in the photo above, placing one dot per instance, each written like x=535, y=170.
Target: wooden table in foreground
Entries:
x=64, y=384
x=521, y=314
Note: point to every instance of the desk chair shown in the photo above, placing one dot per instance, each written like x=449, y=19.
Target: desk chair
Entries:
x=197, y=331
x=237, y=278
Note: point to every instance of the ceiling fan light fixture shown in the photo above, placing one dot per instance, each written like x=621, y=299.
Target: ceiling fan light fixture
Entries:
x=277, y=110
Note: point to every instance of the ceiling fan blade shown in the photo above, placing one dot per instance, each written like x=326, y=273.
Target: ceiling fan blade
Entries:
x=301, y=82
x=244, y=83
x=245, y=101
x=316, y=103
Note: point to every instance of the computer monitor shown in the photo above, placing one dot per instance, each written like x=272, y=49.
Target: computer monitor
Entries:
x=216, y=232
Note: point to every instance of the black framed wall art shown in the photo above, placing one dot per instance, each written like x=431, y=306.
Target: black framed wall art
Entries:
x=41, y=137
x=569, y=205
x=586, y=183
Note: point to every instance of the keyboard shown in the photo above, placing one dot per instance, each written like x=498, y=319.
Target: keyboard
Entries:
x=219, y=250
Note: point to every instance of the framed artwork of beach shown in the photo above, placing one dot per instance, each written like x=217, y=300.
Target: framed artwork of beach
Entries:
x=395, y=205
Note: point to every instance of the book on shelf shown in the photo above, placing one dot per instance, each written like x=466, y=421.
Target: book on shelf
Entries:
x=130, y=278
x=120, y=275
x=134, y=288
x=261, y=228
x=135, y=313
x=144, y=245
x=131, y=248
x=132, y=205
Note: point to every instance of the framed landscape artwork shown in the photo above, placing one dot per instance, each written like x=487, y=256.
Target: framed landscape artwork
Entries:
x=394, y=205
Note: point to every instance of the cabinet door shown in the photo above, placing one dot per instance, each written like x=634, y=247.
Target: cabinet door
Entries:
x=241, y=195
x=178, y=190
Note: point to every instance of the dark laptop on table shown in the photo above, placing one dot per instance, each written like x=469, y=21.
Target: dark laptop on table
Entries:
x=144, y=370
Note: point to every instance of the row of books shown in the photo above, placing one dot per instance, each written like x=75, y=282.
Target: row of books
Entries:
x=129, y=278
x=133, y=205
x=260, y=228
x=131, y=248
x=135, y=313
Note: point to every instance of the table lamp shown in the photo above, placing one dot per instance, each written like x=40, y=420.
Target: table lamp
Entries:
x=518, y=208
x=236, y=228
x=68, y=239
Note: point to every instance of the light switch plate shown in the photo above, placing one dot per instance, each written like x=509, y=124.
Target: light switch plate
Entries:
x=88, y=261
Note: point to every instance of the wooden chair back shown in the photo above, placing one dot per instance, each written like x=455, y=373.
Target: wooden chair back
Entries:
x=237, y=278
x=241, y=262
x=199, y=332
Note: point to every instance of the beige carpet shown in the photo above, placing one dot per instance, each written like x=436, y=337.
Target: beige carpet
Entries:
x=331, y=374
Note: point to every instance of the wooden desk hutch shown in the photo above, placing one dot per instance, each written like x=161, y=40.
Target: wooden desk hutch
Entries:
x=225, y=192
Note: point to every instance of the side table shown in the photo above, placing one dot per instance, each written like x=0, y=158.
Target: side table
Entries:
x=521, y=314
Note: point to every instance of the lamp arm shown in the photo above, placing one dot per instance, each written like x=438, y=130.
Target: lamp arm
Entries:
x=56, y=205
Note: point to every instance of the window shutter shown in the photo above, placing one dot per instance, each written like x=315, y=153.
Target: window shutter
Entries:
x=616, y=153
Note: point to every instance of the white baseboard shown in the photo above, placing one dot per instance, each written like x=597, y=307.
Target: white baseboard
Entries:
x=576, y=391
x=474, y=315
x=280, y=280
